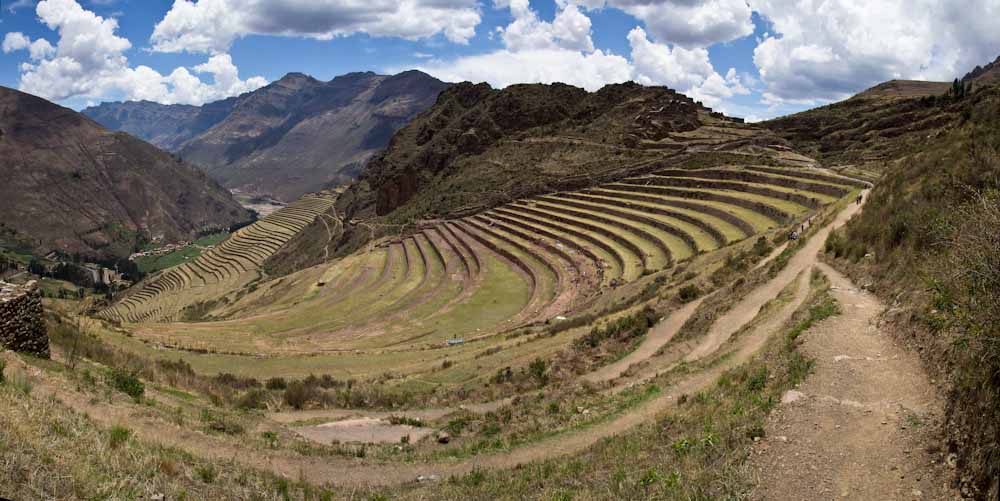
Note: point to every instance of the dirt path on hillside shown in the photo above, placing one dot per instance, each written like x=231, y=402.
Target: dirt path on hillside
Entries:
x=724, y=328
x=748, y=308
x=861, y=425
x=346, y=472
x=656, y=338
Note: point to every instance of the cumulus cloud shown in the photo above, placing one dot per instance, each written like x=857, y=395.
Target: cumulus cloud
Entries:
x=39, y=49
x=505, y=67
x=829, y=50
x=212, y=25
x=537, y=51
x=687, y=70
x=569, y=30
x=562, y=51
x=15, y=41
x=88, y=61
x=687, y=23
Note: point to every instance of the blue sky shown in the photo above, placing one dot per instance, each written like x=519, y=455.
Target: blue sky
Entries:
x=755, y=59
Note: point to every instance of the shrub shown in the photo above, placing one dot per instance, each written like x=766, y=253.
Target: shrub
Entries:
x=270, y=437
x=688, y=293
x=276, y=383
x=327, y=381
x=397, y=420
x=206, y=473
x=219, y=423
x=117, y=436
x=761, y=247
x=127, y=383
x=455, y=426
x=622, y=329
x=252, y=399
x=298, y=393
x=504, y=375
x=237, y=382
x=3, y=365
x=537, y=368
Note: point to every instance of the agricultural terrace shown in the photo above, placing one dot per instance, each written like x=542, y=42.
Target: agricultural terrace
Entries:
x=442, y=294
x=228, y=266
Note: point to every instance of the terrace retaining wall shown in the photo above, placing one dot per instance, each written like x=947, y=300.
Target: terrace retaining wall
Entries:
x=22, y=322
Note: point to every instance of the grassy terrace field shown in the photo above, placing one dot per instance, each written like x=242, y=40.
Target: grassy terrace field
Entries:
x=151, y=264
x=229, y=265
x=387, y=311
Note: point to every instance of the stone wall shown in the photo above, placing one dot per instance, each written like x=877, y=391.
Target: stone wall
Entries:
x=22, y=323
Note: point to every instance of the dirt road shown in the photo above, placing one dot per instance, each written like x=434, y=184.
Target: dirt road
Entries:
x=860, y=426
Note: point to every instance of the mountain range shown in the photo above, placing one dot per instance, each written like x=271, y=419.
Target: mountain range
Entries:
x=293, y=136
x=70, y=185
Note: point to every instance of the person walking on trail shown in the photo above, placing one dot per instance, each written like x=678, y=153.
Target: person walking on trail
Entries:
x=860, y=197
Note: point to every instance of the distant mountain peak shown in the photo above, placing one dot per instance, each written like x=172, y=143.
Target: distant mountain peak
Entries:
x=292, y=136
x=295, y=76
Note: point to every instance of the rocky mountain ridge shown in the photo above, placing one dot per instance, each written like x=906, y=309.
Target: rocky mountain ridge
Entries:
x=293, y=136
x=70, y=185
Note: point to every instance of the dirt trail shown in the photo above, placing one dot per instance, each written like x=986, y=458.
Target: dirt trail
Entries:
x=343, y=471
x=657, y=337
x=861, y=425
x=745, y=310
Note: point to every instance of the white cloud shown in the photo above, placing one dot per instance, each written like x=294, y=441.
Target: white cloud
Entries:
x=212, y=25
x=828, y=50
x=569, y=30
x=687, y=23
x=41, y=49
x=15, y=41
x=502, y=68
x=686, y=70
x=19, y=4
x=538, y=51
x=562, y=51
x=88, y=61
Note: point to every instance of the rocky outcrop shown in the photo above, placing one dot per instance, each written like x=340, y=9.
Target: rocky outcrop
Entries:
x=482, y=146
x=22, y=324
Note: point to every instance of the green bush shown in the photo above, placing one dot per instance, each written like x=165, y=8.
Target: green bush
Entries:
x=117, y=436
x=127, y=383
x=206, y=473
x=688, y=293
x=3, y=365
x=761, y=247
x=276, y=383
x=220, y=423
x=537, y=368
x=623, y=329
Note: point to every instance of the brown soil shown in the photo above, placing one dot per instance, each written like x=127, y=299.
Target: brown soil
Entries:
x=861, y=425
x=365, y=430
